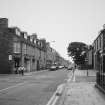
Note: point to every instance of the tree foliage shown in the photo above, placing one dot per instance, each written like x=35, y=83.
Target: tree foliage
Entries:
x=77, y=50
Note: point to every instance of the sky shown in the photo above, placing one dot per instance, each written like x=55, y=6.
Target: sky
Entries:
x=60, y=22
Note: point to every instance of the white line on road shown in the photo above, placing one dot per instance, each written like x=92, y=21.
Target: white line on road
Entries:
x=54, y=97
x=12, y=86
x=55, y=100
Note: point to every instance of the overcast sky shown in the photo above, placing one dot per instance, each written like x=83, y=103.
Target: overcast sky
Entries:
x=62, y=21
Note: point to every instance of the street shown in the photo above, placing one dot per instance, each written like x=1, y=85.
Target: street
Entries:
x=52, y=52
x=33, y=89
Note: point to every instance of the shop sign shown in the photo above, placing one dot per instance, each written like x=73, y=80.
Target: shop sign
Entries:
x=10, y=57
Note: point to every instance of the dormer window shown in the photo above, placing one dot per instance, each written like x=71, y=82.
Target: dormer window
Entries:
x=38, y=42
x=31, y=39
x=41, y=45
x=17, y=31
x=25, y=35
x=35, y=41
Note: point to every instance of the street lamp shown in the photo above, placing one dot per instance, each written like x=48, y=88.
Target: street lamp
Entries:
x=86, y=60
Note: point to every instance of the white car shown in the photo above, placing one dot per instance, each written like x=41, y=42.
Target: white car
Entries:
x=53, y=67
x=60, y=67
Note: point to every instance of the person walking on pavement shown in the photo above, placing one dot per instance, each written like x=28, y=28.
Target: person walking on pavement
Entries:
x=73, y=70
x=21, y=69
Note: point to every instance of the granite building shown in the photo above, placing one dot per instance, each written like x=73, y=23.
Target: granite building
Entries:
x=18, y=48
x=99, y=58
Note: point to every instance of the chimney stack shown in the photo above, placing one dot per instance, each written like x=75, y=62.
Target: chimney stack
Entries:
x=3, y=23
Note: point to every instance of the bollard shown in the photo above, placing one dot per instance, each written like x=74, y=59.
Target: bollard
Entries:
x=87, y=72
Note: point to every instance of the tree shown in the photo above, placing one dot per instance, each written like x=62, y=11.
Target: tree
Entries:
x=77, y=50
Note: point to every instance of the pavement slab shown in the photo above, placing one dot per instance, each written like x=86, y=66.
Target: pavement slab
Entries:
x=83, y=94
x=81, y=90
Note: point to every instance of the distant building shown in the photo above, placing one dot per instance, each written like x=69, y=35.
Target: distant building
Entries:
x=90, y=57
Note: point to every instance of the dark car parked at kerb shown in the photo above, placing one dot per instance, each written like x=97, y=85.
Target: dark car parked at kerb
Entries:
x=53, y=67
x=69, y=68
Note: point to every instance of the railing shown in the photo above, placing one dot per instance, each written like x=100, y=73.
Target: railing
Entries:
x=100, y=79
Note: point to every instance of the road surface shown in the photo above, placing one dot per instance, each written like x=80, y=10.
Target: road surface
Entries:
x=33, y=89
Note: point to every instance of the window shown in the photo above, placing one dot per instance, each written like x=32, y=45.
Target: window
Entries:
x=16, y=47
x=97, y=43
x=25, y=35
x=28, y=49
x=94, y=46
x=24, y=48
x=31, y=39
x=101, y=41
x=17, y=32
x=35, y=41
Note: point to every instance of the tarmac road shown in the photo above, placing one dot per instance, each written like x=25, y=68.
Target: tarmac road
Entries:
x=32, y=89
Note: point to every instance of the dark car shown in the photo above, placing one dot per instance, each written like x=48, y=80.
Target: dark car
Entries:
x=69, y=68
x=53, y=68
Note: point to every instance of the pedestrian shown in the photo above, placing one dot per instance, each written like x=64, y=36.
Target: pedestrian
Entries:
x=73, y=70
x=16, y=70
x=21, y=70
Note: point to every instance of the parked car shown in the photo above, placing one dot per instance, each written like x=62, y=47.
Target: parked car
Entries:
x=69, y=68
x=53, y=67
x=61, y=67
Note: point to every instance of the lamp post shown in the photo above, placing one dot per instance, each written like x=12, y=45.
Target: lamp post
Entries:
x=86, y=60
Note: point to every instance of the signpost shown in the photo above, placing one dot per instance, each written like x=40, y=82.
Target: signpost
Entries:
x=10, y=57
x=86, y=60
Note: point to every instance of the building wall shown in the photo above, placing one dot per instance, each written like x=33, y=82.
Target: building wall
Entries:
x=98, y=50
x=23, y=51
x=18, y=48
x=99, y=59
x=5, y=52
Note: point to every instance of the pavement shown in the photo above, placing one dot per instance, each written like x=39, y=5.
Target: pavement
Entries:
x=25, y=74
x=80, y=90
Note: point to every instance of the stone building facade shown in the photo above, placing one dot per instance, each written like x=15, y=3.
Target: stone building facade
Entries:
x=5, y=47
x=99, y=58
x=18, y=48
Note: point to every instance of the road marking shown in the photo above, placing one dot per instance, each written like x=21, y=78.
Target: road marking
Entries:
x=59, y=90
x=55, y=100
x=54, y=97
x=12, y=86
